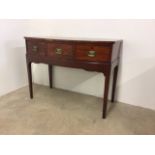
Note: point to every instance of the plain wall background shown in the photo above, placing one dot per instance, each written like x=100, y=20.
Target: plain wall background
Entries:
x=136, y=82
x=12, y=55
x=13, y=73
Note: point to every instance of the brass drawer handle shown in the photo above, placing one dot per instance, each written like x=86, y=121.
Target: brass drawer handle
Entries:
x=34, y=48
x=91, y=53
x=58, y=51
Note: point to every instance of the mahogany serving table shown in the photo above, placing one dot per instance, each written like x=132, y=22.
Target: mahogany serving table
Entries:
x=92, y=55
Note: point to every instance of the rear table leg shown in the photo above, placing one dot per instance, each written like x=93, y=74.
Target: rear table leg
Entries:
x=114, y=84
x=50, y=68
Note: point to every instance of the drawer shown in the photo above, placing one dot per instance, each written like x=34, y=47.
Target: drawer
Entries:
x=36, y=47
x=92, y=53
x=60, y=50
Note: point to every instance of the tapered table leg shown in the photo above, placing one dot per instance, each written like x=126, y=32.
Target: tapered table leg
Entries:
x=29, y=71
x=106, y=90
x=50, y=68
x=114, y=84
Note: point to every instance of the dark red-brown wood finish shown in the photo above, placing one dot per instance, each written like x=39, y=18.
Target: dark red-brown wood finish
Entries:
x=101, y=56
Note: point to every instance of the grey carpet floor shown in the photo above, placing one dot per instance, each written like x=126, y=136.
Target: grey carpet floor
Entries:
x=55, y=111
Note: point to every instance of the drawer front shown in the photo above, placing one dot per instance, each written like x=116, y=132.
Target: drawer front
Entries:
x=92, y=53
x=62, y=50
x=36, y=47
